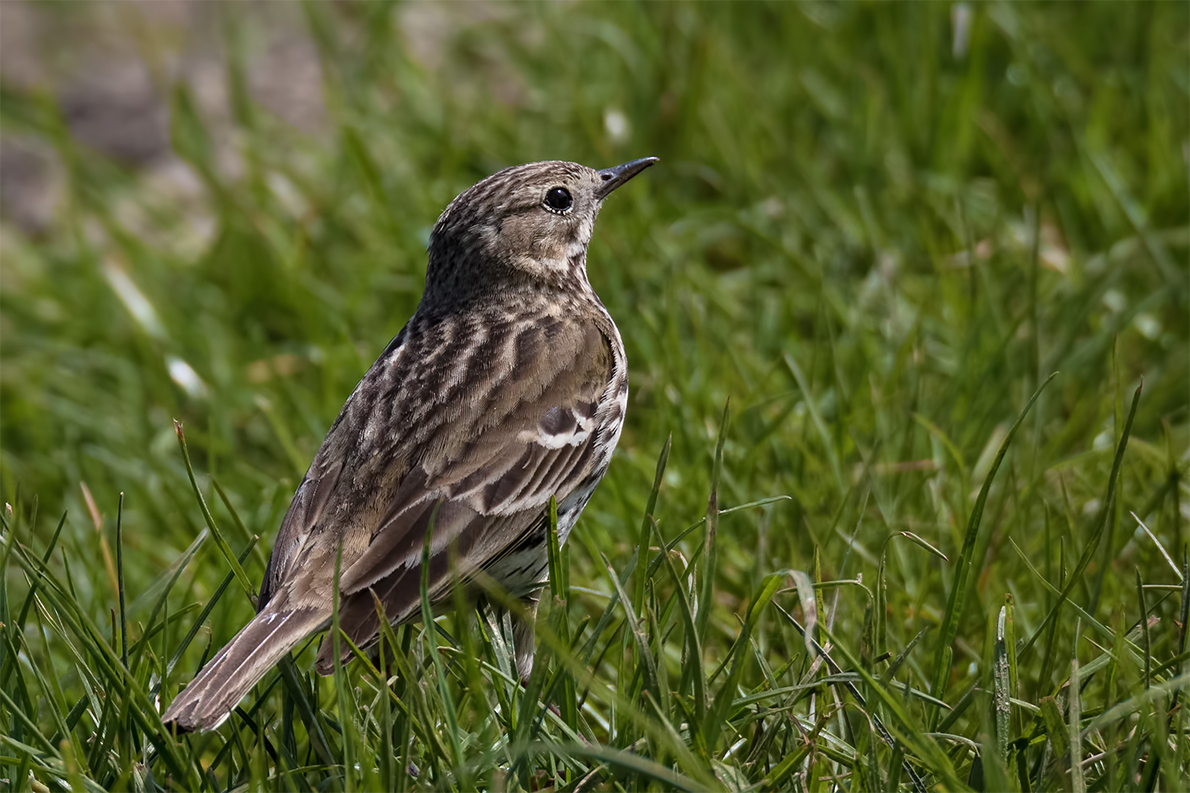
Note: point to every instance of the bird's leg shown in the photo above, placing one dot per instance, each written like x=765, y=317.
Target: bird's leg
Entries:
x=523, y=634
x=523, y=643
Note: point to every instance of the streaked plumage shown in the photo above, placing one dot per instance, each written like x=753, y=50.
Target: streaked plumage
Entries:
x=507, y=387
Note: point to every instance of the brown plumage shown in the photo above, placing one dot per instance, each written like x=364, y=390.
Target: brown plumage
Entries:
x=507, y=387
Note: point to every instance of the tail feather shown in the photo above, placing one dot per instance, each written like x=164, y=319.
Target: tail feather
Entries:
x=222, y=683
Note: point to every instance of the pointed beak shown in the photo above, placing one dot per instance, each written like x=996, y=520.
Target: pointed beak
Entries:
x=614, y=177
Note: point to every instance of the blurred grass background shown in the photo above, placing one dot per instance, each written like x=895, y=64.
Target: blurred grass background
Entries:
x=876, y=228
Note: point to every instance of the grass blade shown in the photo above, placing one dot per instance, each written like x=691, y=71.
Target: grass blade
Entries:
x=1146, y=645
x=693, y=653
x=638, y=634
x=1105, y=511
x=710, y=550
x=220, y=541
x=1002, y=686
x=345, y=706
x=713, y=726
x=958, y=588
x=427, y=616
x=642, y=547
x=1077, y=782
x=120, y=580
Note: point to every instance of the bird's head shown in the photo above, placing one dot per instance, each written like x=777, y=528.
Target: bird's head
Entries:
x=525, y=223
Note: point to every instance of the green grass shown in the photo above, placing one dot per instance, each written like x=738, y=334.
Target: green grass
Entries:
x=885, y=566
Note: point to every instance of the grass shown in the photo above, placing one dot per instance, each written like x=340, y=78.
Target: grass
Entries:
x=906, y=556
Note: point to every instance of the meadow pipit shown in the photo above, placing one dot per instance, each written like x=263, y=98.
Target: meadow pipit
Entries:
x=506, y=388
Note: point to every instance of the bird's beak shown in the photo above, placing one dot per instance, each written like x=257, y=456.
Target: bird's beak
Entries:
x=614, y=177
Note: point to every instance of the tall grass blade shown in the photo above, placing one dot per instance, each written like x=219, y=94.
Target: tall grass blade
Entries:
x=217, y=535
x=716, y=716
x=345, y=705
x=560, y=620
x=958, y=588
x=1146, y=645
x=648, y=665
x=427, y=616
x=816, y=650
x=1105, y=511
x=206, y=611
x=638, y=600
x=816, y=416
x=710, y=549
x=1184, y=614
x=1077, y=781
x=693, y=667
x=8, y=662
x=1002, y=687
x=120, y=580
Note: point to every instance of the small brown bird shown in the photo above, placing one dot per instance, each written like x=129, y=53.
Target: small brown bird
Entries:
x=507, y=387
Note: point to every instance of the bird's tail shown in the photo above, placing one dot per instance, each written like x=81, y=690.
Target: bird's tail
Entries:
x=222, y=683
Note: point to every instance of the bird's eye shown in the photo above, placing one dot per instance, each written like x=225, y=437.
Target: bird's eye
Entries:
x=558, y=200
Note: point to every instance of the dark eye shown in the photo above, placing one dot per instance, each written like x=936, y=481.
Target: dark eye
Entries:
x=558, y=199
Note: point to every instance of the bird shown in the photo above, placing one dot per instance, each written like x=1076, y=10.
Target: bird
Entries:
x=506, y=389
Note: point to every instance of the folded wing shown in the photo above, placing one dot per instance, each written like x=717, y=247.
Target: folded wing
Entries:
x=518, y=425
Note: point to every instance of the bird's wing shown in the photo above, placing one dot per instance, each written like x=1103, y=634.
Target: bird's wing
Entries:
x=322, y=485
x=480, y=437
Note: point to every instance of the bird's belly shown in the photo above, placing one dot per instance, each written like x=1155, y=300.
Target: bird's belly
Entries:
x=525, y=568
